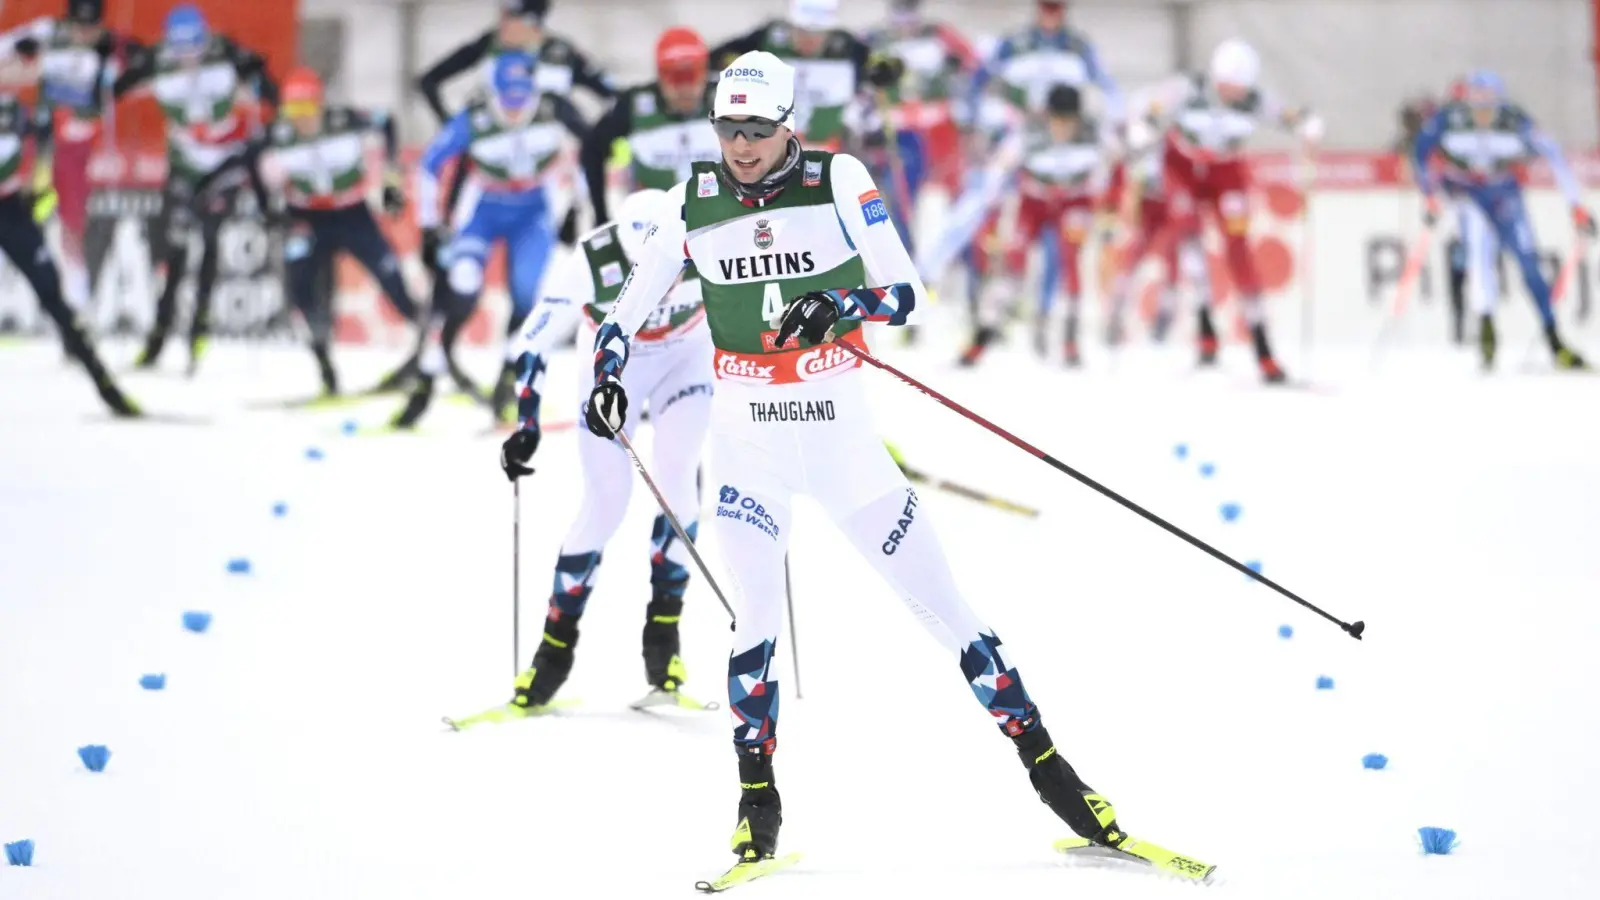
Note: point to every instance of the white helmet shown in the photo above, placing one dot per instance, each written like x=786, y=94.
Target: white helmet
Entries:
x=1235, y=62
x=756, y=84
x=814, y=15
x=637, y=213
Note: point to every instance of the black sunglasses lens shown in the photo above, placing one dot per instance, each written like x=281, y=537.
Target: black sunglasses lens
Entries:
x=752, y=129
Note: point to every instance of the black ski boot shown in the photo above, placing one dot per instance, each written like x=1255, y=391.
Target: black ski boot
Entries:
x=552, y=663
x=981, y=339
x=1487, y=341
x=330, y=378
x=504, y=399
x=1070, y=352
x=417, y=403
x=663, y=667
x=1566, y=358
x=1088, y=814
x=760, y=808
x=1208, y=338
x=1271, y=372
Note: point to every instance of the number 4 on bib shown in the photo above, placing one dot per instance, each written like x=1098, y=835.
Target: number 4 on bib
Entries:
x=772, y=305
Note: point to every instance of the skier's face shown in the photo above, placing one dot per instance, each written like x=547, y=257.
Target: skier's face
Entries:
x=83, y=35
x=520, y=31
x=1232, y=94
x=683, y=89
x=1052, y=14
x=1483, y=105
x=809, y=43
x=751, y=147
x=1064, y=128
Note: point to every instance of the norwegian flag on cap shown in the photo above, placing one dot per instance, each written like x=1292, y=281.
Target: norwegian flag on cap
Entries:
x=736, y=99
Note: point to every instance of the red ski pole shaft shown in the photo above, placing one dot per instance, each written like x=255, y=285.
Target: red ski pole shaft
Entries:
x=1354, y=629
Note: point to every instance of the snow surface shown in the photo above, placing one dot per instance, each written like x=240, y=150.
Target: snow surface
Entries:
x=297, y=752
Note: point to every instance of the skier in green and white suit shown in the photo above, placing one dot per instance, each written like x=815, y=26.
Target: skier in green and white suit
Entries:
x=797, y=244
x=661, y=128
x=672, y=368
x=206, y=84
x=829, y=64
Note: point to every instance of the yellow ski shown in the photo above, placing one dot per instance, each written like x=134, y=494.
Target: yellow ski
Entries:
x=743, y=872
x=509, y=712
x=1133, y=849
x=674, y=698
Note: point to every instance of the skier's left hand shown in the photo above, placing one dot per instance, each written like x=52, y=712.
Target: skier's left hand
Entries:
x=607, y=410
x=1583, y=220
x=811, y=315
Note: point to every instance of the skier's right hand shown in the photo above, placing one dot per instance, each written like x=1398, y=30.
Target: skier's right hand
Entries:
x=517, y=450
x=607, y=411
x=1430, y=211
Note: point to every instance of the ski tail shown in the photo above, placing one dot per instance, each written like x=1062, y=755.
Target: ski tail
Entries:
x=1134, y=849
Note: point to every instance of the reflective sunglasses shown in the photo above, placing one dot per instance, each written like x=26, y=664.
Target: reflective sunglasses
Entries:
x=753, y=129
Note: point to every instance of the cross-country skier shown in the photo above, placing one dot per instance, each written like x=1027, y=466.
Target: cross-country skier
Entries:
x=561, y=67
x=794, y=243
x=939, y=64
x=23, y=243
x=1199, y=124
x=1482, y=138
x=1143, y=210
x=1046, y=176
x=321, y=154
x=514, y=142
x=1022, y=68
x=207, y=86
x=829, y=63
x=662, y=126
x=672, y=368
x=78, y=60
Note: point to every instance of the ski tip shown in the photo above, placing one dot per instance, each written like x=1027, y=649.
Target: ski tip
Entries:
x=450, y=723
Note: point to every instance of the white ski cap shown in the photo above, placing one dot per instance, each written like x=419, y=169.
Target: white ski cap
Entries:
x=638, y=212
x=814, y=15
x=756, y=84
x=1235, y=62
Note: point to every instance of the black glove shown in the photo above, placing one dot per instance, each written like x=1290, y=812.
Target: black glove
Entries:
x=394, y=199
x=885, y=71
x=812, y=315
x=607, y=411
x=432, y=243
x=517, y=450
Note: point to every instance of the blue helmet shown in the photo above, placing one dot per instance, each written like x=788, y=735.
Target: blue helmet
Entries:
x=512, y=80
x=186, y=31
x=1483, y=83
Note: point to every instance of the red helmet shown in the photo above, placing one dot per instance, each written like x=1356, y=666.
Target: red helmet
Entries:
x=301, y=92
x=681, y=55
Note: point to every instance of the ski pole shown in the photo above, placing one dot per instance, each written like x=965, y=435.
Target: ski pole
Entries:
x=516, y=577
x=794, y=637
x=1354, y=629
x=676, y=528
